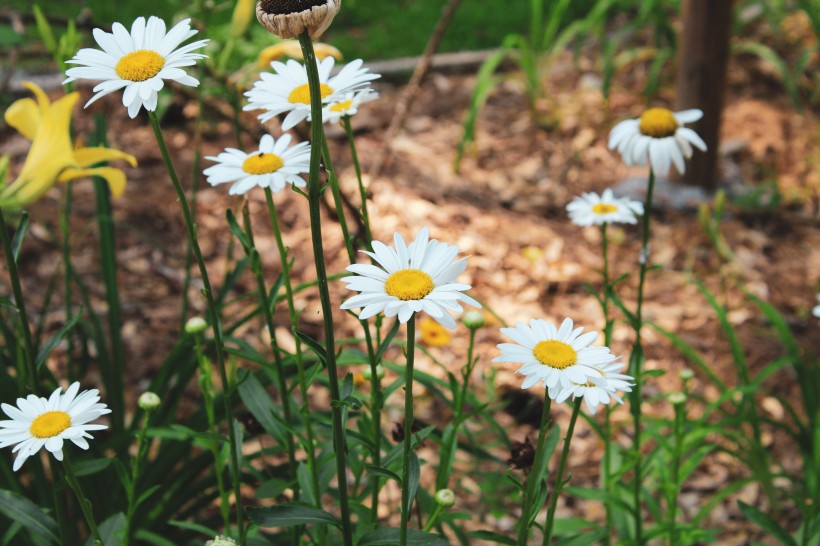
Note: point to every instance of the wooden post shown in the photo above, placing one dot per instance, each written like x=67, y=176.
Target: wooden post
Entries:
x=703, y=55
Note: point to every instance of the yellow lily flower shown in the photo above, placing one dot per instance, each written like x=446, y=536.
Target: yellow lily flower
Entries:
x=292, y=49
x=52, y=158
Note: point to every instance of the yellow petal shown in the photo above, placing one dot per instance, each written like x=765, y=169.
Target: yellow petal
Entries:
x=85, y=157
x=326, y=50
x=24, y=116
x=115, y=177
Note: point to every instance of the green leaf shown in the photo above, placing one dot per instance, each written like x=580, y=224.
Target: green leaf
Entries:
x=317, y=348
x=91, y=466
x=19, y=235
x=414, y=476
x=196, y=527
x=389, y=536
x=110, y=530
x=599, y=495
x=386, y=341
x=54, y=340
x=44, y=29
x=289, y=515
x=237, y=231
x=350, y=402
x=21, y=510
x=259, y=403
x=272, y=488
x=492, y=537
x=380, y=471
x=765, y=522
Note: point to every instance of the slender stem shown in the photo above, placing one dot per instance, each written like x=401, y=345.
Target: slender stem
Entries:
x=214, y=319
x=333, y=182
x=376, y=401
x=314, y=197
x=357, y=166
x=256, y=268
x=672, y=508
x=195, y=175
x=14, y=276
x=85, y=504
x=406, y=501
x=65, y=229
x=533, y=481
x=607, y=417
x=142, y=449
x=559, y=478
x=635, y=400
x=432, y=519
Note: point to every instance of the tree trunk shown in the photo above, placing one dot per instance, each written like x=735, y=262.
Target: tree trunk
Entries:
x=703, y=55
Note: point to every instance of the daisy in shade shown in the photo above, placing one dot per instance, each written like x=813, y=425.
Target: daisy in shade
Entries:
x=410, y=279
x=591, y=209
x=348, y=106
x=560, y=357
x=286, y=89
x=658, y=137
x=138, y=61
x=272, y=166
x=594, y=393
x=39, y=422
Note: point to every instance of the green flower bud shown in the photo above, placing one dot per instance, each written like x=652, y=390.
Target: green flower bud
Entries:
x=473, y=319
x=686, y=374
x=677, y=398
x=368, y=374
x=445, y=497
x=148, y=401
x=196, y=325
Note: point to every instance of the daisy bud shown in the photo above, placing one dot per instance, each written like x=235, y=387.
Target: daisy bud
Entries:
x=473, y=319
x=221, y=540
x=196, y=325
x=290, y=18
x=677, y=398
x=445, y=498
x=148, y=401
x=687, y=374
x=367, y=373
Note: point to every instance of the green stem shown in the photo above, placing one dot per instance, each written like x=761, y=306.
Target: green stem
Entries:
x=333, y=182
x=256, y=268
x=195, y=175
x=314, y=197
x=376, y=401
x=559, y=478
x=85, y=504
x=532, y=482
x=142, y=449
x=680, y=417
x=432, y=519
x=30, y=370
x=357, y=166
x=406, y=501
x=635, y=399
x=65, y=229
x=214, y=319
x=607, y=417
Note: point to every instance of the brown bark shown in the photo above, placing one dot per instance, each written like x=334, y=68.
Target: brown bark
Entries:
x=703, y=51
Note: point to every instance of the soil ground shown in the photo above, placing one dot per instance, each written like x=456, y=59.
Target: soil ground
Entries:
x=527, y=260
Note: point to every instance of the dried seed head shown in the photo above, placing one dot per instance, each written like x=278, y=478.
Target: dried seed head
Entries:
x=289, y=18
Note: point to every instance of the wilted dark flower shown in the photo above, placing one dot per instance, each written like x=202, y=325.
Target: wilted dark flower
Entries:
x=290, y=18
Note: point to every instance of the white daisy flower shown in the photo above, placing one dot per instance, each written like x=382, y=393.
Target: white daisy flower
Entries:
x=272, y=166
x=286, y=89
x=592, y=209
x=560, y=357
x=658, y=137
x=138, y=61
x=816, y=310
x=414, y=278
x=37, y=422
x=595, y=393
x=348, y=106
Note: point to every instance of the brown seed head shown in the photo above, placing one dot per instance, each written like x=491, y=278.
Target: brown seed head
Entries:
x=290, y=18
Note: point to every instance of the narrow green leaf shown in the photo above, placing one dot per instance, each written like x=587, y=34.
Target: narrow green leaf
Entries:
x=259, y=403
x=110, y=530
x=289, y=515
x=19, y=235
x=91, y=466
x=237, y=231
x=387, y=339
x=54, y=340
x=380, y=471
x=29, y=515
x=196, y=527
x=489, y=536
x=766, y=522
x=413, y=477
x=317, y=348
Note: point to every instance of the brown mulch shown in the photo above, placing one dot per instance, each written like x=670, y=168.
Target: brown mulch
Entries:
x=506, y=211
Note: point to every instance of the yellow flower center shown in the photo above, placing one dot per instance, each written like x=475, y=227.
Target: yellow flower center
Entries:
x=433, y=333
x=555, y=354
x=302, y=93
x=409, y=284
x=603, y=208
x=342, y=106
x=658, y=123
x=49, y=424
x=262, y=163
x=139, y=65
